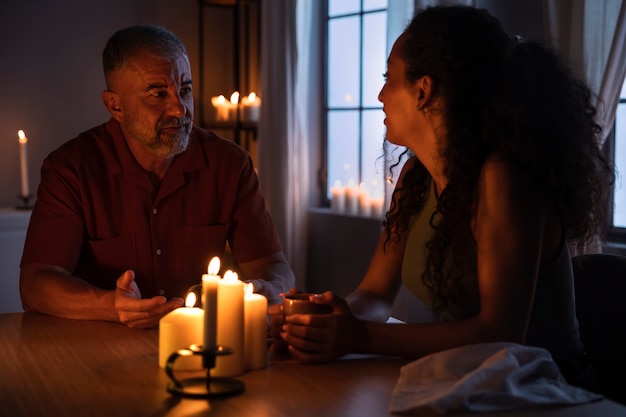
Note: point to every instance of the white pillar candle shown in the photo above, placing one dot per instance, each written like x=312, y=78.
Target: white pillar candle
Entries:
x=179, y=329
x=255, y=329
x=233, y=106
x=352, y=198
x=221, y=108
x=209, y=303
x=230, y=326
x=251, y=108
x=365, y=208
x=338, y=197
x=23, y=140
x=378, y=206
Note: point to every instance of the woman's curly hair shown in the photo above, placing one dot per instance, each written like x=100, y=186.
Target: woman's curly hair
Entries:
x=505, y=96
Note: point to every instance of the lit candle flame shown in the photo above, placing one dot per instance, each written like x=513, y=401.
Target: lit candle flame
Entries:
x=252, y=97
x=221, y=99
x=230, y=276
x=234, y=98
x=190, y=301
x=214, y=266
x=21, y=136
x=249, y=289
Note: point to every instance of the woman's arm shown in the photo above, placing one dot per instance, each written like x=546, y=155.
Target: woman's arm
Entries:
x=509, y=232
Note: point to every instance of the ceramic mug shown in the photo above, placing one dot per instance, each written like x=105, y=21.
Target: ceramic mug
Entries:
x=301, y=304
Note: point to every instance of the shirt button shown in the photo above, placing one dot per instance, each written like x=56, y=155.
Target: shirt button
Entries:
x=154, y=211
x=158, y=251
x=161, y=292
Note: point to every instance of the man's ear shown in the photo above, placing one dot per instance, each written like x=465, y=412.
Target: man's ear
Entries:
x=112, y=103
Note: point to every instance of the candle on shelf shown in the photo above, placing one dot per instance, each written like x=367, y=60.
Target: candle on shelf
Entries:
x=180, y=329
x=352, y=198
x=230, y=326
x=250, y=108
x=221, y=107
x=337, y=197
x=23, y=140
x=233, y=107
x=255, y=329
x=210, y=282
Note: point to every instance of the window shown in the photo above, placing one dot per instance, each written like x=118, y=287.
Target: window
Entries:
x=356, y=54
x=619, y=152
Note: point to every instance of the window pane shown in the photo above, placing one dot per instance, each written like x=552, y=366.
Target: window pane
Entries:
x=374, y=59
x=343, y=147
x=339, y=7
x=372, y=165
x=343, y=62
x=374, y=4
x=619, y=213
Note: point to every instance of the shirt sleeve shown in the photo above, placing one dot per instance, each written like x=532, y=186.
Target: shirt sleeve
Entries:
x=56, y=229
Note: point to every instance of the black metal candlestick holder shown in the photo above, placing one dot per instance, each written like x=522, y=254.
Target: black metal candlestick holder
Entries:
x=201, y=387
x=25, y=199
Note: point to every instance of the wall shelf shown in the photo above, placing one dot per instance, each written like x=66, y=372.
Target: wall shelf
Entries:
x=229, y=55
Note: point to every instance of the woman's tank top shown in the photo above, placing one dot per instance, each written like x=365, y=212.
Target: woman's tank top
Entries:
x=553, y=324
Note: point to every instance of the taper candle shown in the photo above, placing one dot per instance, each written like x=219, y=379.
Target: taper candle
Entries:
x=23, y=140
x=209, y=303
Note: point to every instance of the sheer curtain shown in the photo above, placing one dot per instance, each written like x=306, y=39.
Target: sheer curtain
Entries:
x=591, y=34
x=288, y=132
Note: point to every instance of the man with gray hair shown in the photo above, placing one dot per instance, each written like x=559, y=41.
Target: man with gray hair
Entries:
x=129, y=213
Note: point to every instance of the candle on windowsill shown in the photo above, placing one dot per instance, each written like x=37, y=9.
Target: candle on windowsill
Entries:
x=352, y=198
x=337, y=197
x=179, y=329
x=255, y=329
x=377, y=203
x=365, y=208
x=23, y=141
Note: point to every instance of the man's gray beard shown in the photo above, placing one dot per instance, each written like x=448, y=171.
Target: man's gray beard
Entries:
x=176, y=145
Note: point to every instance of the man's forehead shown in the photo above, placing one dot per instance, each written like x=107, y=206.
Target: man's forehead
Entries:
x=150, y=68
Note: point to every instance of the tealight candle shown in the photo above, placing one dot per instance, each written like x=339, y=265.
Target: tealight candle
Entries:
x=230, y=326
x=179, y=329
x=255, y=329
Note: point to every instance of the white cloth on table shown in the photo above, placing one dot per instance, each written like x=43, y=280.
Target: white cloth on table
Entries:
x=485, y=377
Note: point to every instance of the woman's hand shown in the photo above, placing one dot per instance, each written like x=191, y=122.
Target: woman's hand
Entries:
x=314, y=338
x=276, y=321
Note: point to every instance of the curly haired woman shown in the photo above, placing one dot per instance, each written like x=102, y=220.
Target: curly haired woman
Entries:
x=504, y=173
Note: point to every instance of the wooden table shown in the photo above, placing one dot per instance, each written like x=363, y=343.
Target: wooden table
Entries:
x=57, y=367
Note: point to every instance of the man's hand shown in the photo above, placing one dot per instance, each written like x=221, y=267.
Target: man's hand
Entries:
x=135, y=312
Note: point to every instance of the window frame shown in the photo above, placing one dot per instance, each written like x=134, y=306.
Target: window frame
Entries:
x=614, y=234
x=323, y=180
